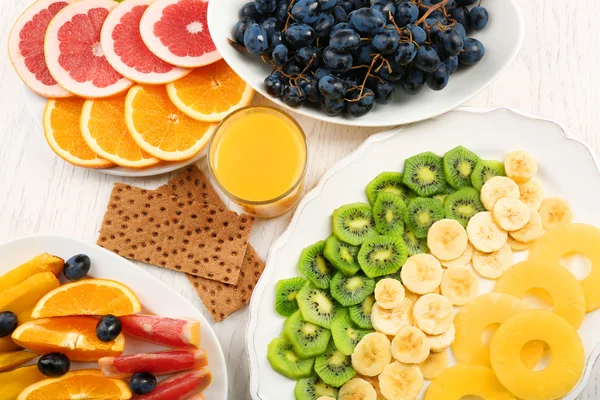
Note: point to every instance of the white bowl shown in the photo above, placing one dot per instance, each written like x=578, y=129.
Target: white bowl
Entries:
x=502, y=39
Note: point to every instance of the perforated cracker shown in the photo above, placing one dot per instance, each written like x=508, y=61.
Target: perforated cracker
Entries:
x=191, y=185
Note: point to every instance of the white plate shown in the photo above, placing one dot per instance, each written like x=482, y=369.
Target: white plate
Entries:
x=154, y=295
x=36, y=104
x=502, y=39
x=567, y=168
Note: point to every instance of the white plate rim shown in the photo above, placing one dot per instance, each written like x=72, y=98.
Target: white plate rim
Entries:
x=316, y=191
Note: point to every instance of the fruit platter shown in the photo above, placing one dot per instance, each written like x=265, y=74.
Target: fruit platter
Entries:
x=77, y=320
x=413, y=270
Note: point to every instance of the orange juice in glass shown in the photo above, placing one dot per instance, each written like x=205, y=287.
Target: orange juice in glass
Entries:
x=258, y=157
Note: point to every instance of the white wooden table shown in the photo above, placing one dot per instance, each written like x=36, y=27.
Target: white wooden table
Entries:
x=555, y=76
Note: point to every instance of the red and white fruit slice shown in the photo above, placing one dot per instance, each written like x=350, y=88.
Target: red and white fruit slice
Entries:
x=26, y=48
x=183, y=386
x=168, y=332
x=73, y=52
x=176, y=31
x=125, y=50
x=159, y=363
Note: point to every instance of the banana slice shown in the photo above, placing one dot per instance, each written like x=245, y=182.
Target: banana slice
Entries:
x=460, y=285
x=434, y=365
x=531, y=231
x=496, y=188
x=433, y=313
x=555, y=211
x=401, y=381
x=520, y=166
x=389, y=322
x=493, y=265
x=442, y=342
x=410, y=346
x=374, y=381
x=325, y=398
x=372, y=354
x=461, y=261
x=511, y=214
x=421, y=273
x=532, y=194
x=485, y=235
x=389, y=293
x=518, y=246
x=447, y=239
x=411, y=296
x=357, y=389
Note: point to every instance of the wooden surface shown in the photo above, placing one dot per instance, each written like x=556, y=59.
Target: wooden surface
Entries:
x=554, y=76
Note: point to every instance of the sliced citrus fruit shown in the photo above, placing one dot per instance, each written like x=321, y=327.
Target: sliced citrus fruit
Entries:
x=104, y=130
x=125, y=50
x=176, y=31
x=63, y=133
x=88, y=297
x=180, y=386
x=14, y=359
x=73, y=52
x=26, y=48
x=169, y=332
x=160, y=128
x=42, y=263
x=160, y=363
x=83, y=384
x=15, y=381
x=210, y=93
x=75, y=337
x=26, y=294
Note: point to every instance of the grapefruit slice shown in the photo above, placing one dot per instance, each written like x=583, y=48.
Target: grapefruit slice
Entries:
x=160, y=363
x=125, y=50
x=73, y=52
x=180, y=386
x=168, y=332
x=26, y=48
x=176, y=31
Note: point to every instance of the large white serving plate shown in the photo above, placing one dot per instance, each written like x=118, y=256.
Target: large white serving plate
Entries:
x=502, y=39
x=155, y=296
x=567, y=168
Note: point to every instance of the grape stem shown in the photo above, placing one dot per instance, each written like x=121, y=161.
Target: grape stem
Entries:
x=289, y=14
x=431, y=10
x=362, y=87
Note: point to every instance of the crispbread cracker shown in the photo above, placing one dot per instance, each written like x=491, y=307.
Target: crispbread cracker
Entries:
x=191, y=185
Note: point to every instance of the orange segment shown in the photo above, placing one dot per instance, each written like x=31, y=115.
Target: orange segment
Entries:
x=14, y=359
x=88, y=297
x=160, y=129
x=27, y=293
x=15, y=381
x=61, y=127
x=104, y=130
x=83, y=384
x=42, y=263
x=75, y=337
x=210, y=93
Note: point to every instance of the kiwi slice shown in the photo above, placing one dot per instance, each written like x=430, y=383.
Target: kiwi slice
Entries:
x=345, y=335
x=283, y=359
x=342, y=255
x=382, y=255
x=462, y=205
x=317, y=306
x=485, y=170
x=458, y=167
x=312, y=388
x=422, y=213
x=285, y=295
x=360, y=314
x=315, y=266
x=308, y=340
x=389, y=212
x=424, y=173
x=334, y=367
x=414, y=244
x=388, y=182
x=353, y=223
x=349, y=291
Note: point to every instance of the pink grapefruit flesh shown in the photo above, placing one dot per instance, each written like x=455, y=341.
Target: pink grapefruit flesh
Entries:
x=26, y=48
x=176, y=31
x=168, y=332
x=125, y=50
x=182, y=386
x=73, y=52
x=159, y=363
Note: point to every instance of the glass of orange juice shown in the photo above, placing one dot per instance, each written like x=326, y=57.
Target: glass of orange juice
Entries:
x=257, y=157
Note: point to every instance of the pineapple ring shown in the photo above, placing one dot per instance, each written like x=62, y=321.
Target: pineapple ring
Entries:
x=574, y=238
x=568, y=299
x=463, y=380
x=562, y=372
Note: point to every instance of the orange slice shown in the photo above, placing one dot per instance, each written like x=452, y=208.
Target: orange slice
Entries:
x=83, y=384
x=210, y=93
x=160, y=128
x=104, y=130
x=61, y=127
x=75, y=337
x=88, y=297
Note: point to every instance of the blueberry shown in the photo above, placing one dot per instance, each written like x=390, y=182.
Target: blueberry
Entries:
x=479, y=17
x=240, y=28
x=77, y=267
x=274, y=85
x=54, y=364
x=108, y=328
x=142, y=383
x=8, y=323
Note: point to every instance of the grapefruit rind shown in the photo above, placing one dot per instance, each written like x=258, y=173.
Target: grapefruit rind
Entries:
x=17, y=59
x=137, y=46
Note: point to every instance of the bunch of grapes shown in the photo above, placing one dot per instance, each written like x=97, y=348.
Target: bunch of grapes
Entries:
x=347, y=55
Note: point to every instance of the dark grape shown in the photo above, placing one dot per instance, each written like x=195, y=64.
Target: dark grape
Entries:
x=321, y=72
x=332, y=87
x=438, y=79
x=413, y=82
x=472, y=52
x=386, y=42
x=479, y=18
x=292, y=67
x=332, y=107
x=340, y=14
x=255, y=39
x=327, y=5
x=406, y=13
x=466, y=2
x=306, y=54
x=240, y=28
x=305, y=11
x=275, y=39
x=337, y=62
x=360, y=104
x=351, y=81
x=405, y=53
x=427, y=59
x=344, y=40
x=282, y=10
x=274, y=85
x=461, y=30
x=461, y=15
x=280, y=55
x=419, y=36
x=271, y=25
x=293, y=96
x=299, y=35
x=338, y=27
x=323, y=24
x=450, y=42
x=364, y=54
x=435, y=27
x=310, y=87
x=438, y=16
x=396, y=73
x=249, y=10
x=385, y=7
x=367, y=21
x=265, y=6
x=451, y=63
x=384, y=91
